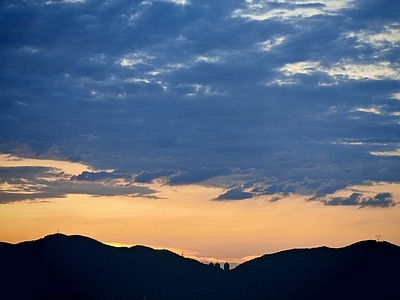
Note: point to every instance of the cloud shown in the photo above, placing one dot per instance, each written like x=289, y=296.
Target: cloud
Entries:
x=24, y=175
x=277, y=188
x=372, y=110
x=148, y=177
x=6, y=198
x=235, y=194
x=306, y=186
x=269, y=44
x=224, y=93
x=199, y=175
x=98, y=176
x=388, y=36
x=38, y=183
x=357, y=199
x=386, y=153
x=285, y=10
x=396, y=96
x=345, y=70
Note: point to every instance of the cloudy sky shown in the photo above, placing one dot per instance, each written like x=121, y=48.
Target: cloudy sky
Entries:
x=201, y=125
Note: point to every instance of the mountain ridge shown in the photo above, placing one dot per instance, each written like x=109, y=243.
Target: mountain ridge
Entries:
x=58, y=266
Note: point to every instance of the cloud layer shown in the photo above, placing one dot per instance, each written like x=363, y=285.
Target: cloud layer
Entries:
x=43, y=183
x=259, y=97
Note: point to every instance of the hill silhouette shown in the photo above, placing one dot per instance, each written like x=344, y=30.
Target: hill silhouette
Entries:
x=76, y=267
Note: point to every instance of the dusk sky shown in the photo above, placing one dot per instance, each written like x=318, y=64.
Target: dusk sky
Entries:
x=220, y=129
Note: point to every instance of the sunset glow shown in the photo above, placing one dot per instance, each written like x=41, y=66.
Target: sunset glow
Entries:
x=187, y=219
x=221, y=130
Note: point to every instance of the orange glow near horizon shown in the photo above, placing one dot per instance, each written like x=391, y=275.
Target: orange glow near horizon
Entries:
x=186, y=220
x=203, y=229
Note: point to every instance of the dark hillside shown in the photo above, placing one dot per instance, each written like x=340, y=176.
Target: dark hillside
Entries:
x=362, y=270
x=75, y=264
x=76, y=267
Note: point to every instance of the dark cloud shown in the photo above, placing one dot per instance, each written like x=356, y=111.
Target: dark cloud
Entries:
x=193, y=92
x=197, y=176
x=21, y=175
x=235, y=194
x=275, y=198
x=305, y=186
x=6, y=198
x=39, y=183
x=98, y=176
x=148, y=177
x=275, y=188
x=357, y=199
x=330, y=189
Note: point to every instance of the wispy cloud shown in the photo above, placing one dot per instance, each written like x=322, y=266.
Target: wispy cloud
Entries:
x=396, y=96
x=269, y=44
x=387, y=37
x=261, y=10
x=386, y=153
x=372, y=110
x=345, y=70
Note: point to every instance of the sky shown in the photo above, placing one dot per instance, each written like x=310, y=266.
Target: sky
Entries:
x=218, y=129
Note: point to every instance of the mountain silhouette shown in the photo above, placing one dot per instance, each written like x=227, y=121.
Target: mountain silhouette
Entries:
x=76, y=267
